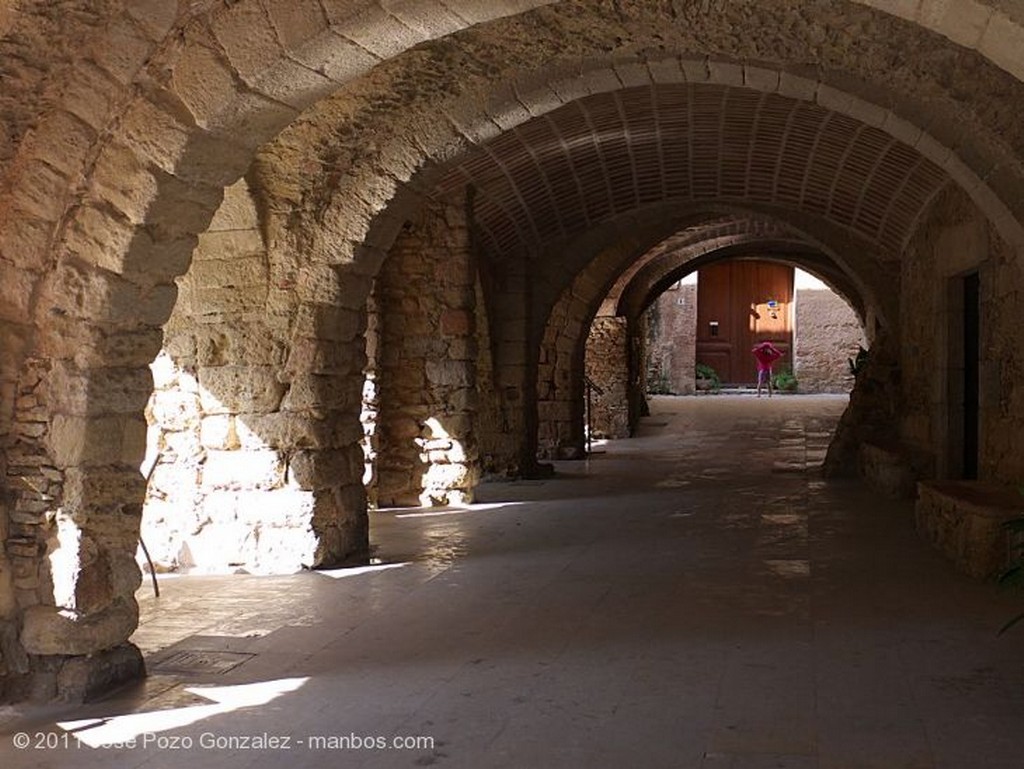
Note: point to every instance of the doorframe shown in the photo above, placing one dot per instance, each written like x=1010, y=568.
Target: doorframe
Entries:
x=956, y=370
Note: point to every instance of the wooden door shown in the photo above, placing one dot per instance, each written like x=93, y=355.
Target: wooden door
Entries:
x=740, y=303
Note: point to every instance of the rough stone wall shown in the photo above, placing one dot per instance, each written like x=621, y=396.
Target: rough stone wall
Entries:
x=873, y=409
x=827, y=332
x=497, y=458
x=426, y=366
x=1002, y=371
x=235, y=479
x=607, y=366
x=952, y=240
x=672, y=339
x=557, y=435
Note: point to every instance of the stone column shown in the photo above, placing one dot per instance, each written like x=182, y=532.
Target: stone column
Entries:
x=73, y=471
x=255, y=412
x=426, y=364
x=560, y=385
x=607, y=366
x=874, y=405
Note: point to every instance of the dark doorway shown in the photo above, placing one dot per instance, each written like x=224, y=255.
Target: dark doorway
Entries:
x=972, y=347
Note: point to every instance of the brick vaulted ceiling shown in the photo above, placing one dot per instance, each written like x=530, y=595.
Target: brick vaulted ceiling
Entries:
x=557, y=175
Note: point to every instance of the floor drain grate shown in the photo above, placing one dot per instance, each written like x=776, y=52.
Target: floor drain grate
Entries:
x=213, y=662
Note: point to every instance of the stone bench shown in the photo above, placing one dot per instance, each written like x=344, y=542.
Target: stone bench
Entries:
x=964, y=520
x=892, y=468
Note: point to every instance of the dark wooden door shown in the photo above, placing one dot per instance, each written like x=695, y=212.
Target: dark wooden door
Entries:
x=740, y=303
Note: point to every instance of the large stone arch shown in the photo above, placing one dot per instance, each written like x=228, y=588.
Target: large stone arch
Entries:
x=620, y=282
x=553, y=93
x=596, y=291
x=104, y=200
x=390, y=180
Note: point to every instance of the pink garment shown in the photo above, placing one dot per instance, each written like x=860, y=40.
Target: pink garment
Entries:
x=766, y=354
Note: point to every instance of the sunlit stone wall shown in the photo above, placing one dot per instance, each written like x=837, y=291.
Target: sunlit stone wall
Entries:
x=426, y=365
x=244, y=464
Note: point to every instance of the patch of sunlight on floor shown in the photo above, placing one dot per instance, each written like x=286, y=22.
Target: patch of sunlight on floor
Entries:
x=356, y=571
x=126, y=729
x=451, y=510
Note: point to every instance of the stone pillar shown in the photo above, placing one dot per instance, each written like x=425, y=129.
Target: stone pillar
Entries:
x=255, y=411
x=77, y=498
x=607, y=366
x=426, y=365
x=636, y=385
x=672, y=341
x=560, y=382
x=873, y=409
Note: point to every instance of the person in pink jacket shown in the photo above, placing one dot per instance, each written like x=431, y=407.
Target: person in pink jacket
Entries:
x=766, y=354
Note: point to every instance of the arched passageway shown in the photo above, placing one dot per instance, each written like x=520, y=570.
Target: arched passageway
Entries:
x=488, y=171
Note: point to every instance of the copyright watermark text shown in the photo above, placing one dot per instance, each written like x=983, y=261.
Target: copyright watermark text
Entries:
x=263, y=741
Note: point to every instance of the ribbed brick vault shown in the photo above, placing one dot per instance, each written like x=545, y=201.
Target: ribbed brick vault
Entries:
x=560, y=173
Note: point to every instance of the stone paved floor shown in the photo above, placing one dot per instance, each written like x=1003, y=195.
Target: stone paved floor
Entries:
x=695, y=597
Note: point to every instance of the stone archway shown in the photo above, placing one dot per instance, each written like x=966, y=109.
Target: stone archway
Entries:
x=109, y=193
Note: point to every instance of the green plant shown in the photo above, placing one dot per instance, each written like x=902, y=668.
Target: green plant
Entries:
x=707, y=378
x=784, y=380
x=659, y=384
x=708, y=374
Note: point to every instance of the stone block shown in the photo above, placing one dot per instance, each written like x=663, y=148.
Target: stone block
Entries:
x=371, y=27
x=237, y=344
x=323, y=393
x=176, y=481
x=1003, y=43
x=797, y=87
x=457, y=322
x=84, y=678
x=229, y=245
x=448, y=373
x=329, y=323
x=47, y=631
x=8, y=605
x=76, y=440
x=219, y=548
x=181, y=446
x=285, y=550
x=218, y=432
x=285, y=507
x=252, y=45
x=90, y=94
x=237, y=212
x=324, y=469
x=448, y=476
x=236, y=389
x=964, y=520
x=123, y=50
x=175, y=410
x=893, y=469
x=203, y=82
x=42, y=190
x=243, y=469
x=68, y=136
